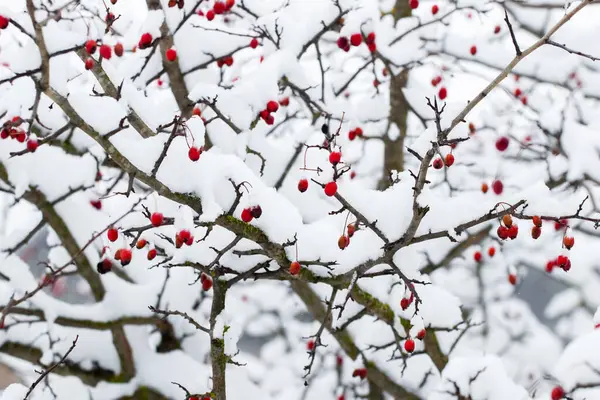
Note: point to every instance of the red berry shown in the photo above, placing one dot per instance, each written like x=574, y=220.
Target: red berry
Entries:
x=491, y=251
x=434, y=9
x=106, y=51
x=513, y=232
x=518, y=92
x=90, y=46
x=254, y=43
x=285, y=101
x=112, y=234
x=473, y=50
x=568, y=242
x=414, y=4
x=502, y=143
x=157, y=219
x=352, y=135
x=102, y=267
x=229, y=4
x=497, y=29
x=118, y=49
x=438, y=163
x=184, y=235
x=536, y=231
x=335, y=157
x=145, y=41
x=270, y=120
x=194, y=153
x=507, y=219
x=171, y=54
x=343, y=242
x=21, y=137
x=449, y=160
x=310, y=345
x=558, y=225
x=151, y=254
x=295, y=268
x=32, y=145
x=512, y=278
x=502, y=232
x=219, y=7
x=404, y=303
x=443, y=93
x=557, y=393
x=477, y=256
x=372, y=47
x=125, y=257
x=484, y=187
x=303, y=185
x=351, y=228
x=272, y=106
x=370, y=38
x=210, y=15
x=141, y=243
x=550, y=266
x=247, y=215
x=524, y=100
x=537, y=221
x=228, y=61
x=4, y=22
x=331, y=189
x=207, y=283
x=356, y=39
x=497, y=186
x=97, y=204
x=409, y=345
x=89, y=63
x=342, y=42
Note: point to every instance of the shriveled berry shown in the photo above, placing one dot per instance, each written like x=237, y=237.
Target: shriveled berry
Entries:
x=536, y=231
x=256, y=211
x=343, y=242
x=104, y=266
x=537, y=221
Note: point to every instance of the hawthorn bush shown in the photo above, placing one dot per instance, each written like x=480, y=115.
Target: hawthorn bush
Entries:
x=362, y=184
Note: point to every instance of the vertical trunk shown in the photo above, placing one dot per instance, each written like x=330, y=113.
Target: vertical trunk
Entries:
x=217, y=345
x=394, y=149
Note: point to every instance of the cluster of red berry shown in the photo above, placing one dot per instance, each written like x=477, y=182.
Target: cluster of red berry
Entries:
x=266, y=114
x=248, y=214
x=356, y=40
x=12, y=131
